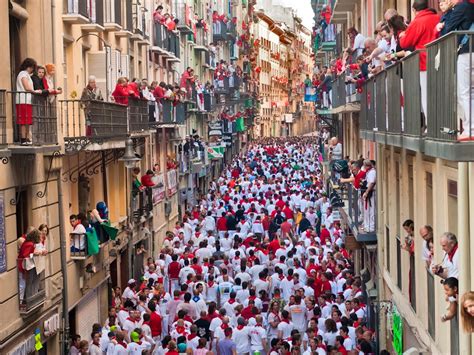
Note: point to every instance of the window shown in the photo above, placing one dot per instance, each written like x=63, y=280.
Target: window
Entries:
x=412, y=288
x=429, y=198
x=411, y=197
x=399, y=263
x=453, y=206
x=431, y=303
x=387, y=247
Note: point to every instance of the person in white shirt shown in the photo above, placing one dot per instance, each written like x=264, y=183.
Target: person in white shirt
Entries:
x=348, y=343
x=209, y=223
x=241, y=337
x=258, y=335
x=298, y=314
x=185, y=271
x=285, y=326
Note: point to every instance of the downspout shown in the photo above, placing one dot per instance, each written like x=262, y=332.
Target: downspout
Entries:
x=463, y=240
x=62, y=238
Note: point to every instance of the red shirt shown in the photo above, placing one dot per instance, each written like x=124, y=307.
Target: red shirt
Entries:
x=26, y=249
x=120, y=94
x=280, y=204
x=288, y=212
x=324, y=236
x=358, y=179
x=155, y=324
x=420, y=32
x=221, y=224
x=173, y=269
x=159, y=92
x=274, y=245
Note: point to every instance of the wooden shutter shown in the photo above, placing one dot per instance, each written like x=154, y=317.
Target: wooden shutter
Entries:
x=99, y=68
x=125, y=65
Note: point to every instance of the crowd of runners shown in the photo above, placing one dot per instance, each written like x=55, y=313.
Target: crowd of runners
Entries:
x=259, y=266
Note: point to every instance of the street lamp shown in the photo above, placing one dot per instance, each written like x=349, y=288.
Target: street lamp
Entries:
x=129, y=159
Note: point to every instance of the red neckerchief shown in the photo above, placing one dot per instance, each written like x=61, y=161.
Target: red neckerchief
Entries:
x=258, y=325
x=226, y=262
x=210, y=283
x=224, y=326
x=191, y=336
x=285, y=320
x=240, y=327
x=251, y=298
x=289, y=278
x=180, y=329
x=130, y=319
x=123, y=344
x=452, y=252
x=231, y=301
x=263, y=279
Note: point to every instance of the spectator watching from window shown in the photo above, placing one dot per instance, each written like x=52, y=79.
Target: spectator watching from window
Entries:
x=451, y=291
x=426, y=232
x=467, y=311
x=449, y=265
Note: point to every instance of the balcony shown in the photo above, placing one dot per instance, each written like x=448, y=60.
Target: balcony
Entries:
x=142, y=204
x=89, y=121
x=201, y=40
x=231, y=31
x=344, y=95
x=219, y=31
x=113, y=15
x=391, y=105
x=172, y=114
x=328, y=38
x=78, y=246
x=347, y=200
x=43, y=113
x=183, y=14
x=31, y=289
x=88, y=13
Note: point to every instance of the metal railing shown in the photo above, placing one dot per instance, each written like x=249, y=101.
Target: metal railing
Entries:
x=94, y=119
x=231, y=30
x=222, y=86
x=31, y=287
x=183, y=14
x=411, y=90
x=138, y=117
x=380, y=103
x=172, y=44
x=173, y=113
x=450, y=69
x=78, y=246
x=142, y=204
x=201, y=37
x=394, y=98
x=219, y=31
x=37, y=111
x=339, y=91
x=91, y=9
x=3, y=117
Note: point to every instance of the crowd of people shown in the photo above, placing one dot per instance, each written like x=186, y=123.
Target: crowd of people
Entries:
x=258, y=266
x=394, y=39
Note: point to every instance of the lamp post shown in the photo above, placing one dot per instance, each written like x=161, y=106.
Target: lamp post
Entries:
x=130, y=160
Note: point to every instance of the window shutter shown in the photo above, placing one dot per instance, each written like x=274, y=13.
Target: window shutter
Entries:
x=98, y=68
x=125, y=65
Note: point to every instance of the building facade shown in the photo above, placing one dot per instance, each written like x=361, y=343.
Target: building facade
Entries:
x=423, y=175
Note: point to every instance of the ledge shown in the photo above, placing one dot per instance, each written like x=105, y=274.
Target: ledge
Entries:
x=112, y=26
x=75, y=19
x=33, y=149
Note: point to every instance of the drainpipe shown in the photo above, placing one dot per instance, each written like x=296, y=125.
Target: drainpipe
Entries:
x=463, y=240
x=62, y=241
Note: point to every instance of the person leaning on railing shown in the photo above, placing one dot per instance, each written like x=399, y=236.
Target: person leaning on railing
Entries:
x=91, y=91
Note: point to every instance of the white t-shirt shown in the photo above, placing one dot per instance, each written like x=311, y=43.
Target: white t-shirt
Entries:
x=23, y=98
x=298, y=316
x=241, y=338
x=257, y=334
x=359, y=44
x=285, y=329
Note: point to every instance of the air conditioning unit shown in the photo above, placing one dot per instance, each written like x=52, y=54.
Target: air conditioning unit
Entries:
x=167, y=208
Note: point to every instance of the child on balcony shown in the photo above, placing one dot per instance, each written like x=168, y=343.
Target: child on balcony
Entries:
x=451, y=291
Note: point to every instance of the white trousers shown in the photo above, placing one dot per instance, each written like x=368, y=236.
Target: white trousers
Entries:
x=369, y=214
x=465, y=92
x=424, y=95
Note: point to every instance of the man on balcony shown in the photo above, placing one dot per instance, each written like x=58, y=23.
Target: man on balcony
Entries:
x=420, y=32
x=78, y=234
x=369, y=197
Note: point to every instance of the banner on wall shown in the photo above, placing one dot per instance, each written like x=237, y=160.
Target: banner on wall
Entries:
x=159, y=191
x=172, y=182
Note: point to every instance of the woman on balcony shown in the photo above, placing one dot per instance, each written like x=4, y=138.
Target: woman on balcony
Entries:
x=23, y=99
x=26, y=264
x=91, y=91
